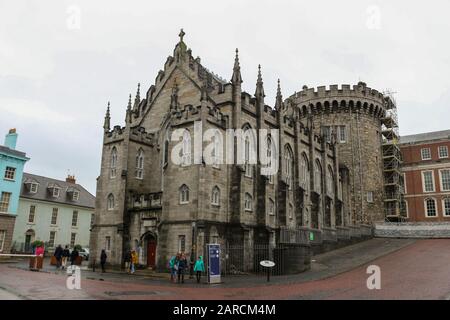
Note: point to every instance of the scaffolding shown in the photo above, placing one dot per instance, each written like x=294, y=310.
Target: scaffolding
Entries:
x=394, y=203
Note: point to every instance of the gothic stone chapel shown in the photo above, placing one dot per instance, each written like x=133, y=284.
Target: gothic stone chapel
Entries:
x=145, y=201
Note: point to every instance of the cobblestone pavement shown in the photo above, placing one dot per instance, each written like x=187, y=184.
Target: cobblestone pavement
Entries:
x=409, y=270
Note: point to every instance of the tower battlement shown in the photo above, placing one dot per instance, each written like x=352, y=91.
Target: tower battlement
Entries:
x=359, y=90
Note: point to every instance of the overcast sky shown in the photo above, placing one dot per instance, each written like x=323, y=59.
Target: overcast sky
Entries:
x=61, y=61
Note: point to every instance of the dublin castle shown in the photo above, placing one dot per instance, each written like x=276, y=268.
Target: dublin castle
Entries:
x=329, y=187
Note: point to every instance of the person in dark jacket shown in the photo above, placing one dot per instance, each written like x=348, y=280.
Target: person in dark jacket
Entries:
x=127, y=260
x=73, y=256
x=103, y=258
x=182, y=265
x=65, y=256
x=58, y=256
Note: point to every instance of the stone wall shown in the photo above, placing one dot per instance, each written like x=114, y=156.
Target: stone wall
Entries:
x=7, y=224
x=413, y=230
x=360, y=110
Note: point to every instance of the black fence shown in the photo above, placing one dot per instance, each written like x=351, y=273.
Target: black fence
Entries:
x=245, y=260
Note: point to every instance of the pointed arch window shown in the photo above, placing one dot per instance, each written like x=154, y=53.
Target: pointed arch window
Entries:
x=184, y=194
x=113, y=163
x=330, y=182
x=215, y=196
x=217, y=152
x=304, y=172
x=291, y=211
x=248, y=202
x=317, y=177
x=139, y=172
x=249, y=150
x=110, y=202
x=186, y=151
x=269, y=154
x=166, y=153
x=288, y=166
x=271, y=209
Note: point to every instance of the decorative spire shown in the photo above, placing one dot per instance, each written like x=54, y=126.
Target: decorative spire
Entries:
x=236, y=78
x=259, y=85
x=279, y=98
x=107, y=123
x=137, y=99
x=129, y=103
x=128, y=113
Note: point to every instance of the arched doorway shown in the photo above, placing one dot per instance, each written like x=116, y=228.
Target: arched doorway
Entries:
x=150, y=246
x=29, y=238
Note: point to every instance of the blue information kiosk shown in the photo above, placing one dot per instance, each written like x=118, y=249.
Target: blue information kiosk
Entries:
x=213, y=251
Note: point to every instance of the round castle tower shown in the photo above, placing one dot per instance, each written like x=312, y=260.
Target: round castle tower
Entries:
x=353, y=117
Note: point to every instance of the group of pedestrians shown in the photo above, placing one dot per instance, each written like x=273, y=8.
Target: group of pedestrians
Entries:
x=131, y=260
x=62, y=255
x=178, y=265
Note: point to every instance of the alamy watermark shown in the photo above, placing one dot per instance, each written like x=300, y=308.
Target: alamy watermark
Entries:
x=73, y=21
x=374, y=280
x=373, y=21
x=240, y=146
x=73, y=281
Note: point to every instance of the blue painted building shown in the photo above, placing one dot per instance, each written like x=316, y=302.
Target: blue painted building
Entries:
x=12, y=163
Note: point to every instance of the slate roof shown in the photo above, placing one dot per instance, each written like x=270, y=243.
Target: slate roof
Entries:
x=43, y=193
x=427, y=136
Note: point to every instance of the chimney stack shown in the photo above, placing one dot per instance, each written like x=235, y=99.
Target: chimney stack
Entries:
x=70, y=179
x=11, y=139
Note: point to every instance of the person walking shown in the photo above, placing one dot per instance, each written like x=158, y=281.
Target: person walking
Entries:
x=127, y=261
x=134, y=261
x=172, y=268
x=199, y=268
x=182, y=265
x=58, y=256
x=65, y=256
x=103, y=258
x=73, y=256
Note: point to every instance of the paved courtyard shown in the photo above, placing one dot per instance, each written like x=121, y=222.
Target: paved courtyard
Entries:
x=410, y=269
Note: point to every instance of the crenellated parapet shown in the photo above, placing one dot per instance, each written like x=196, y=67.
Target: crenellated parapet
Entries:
x=185, y=114
x=359, y=98
x=217, y=117
x=270, y=112
x=138, y=134
x=114, y=135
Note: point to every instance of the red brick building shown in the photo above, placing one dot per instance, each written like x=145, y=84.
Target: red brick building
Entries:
x=426, y=169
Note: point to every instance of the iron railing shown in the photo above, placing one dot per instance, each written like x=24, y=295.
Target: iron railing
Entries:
x=329, y=234
x=343, y=233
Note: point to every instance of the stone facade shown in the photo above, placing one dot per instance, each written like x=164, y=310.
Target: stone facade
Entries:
x=6, y=231
x=141, y=194
x=413, y=230
x=355, y=118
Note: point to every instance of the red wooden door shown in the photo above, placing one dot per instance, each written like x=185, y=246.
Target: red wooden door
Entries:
x=151, y=253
